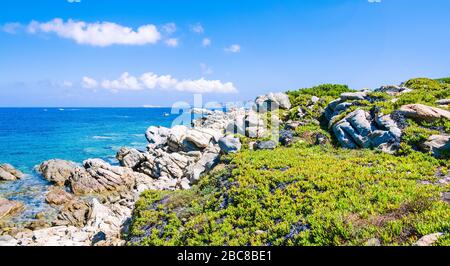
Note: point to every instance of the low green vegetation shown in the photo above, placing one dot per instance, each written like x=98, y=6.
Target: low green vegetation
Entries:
x=444, y=80
x=302, y=195
x=325, y=90
x=306, y=194
x=424, y=91
x=303, y=98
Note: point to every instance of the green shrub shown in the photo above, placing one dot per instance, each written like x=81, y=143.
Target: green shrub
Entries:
x=325, y=90
x=444, y=80
x=423, y=83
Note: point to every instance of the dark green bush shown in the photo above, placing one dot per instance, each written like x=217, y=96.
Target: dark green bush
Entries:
x=325, y=90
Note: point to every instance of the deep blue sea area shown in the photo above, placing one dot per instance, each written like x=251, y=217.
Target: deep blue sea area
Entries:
x=29, y=136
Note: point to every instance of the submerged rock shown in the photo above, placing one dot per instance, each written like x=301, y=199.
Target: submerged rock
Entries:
x=9, y=207
x=9, y=173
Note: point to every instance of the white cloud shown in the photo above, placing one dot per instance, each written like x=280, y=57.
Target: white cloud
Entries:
x=205, y=86
x=152, y=81
x=169, y=28
x=235, y=48
x=206, y=42
x=89, y=83
x=197, y=28
x=124, y=82
x=11, y=28
x=172, y=42
x=206, y=70
x=97, y=34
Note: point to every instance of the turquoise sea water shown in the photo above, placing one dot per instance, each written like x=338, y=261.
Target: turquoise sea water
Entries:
x=29, y=136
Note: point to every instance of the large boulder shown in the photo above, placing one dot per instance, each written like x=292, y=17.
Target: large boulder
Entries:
x=58, y=196
x=357, y=127
x=95, y=176
x=161, y=163
x=386, y=122
x=359, y=95
x=75, y=212
x=428, y=240
x=443, y=102
x=9, y=173
x=99, y=176
x=422, y=112
x=272, y=101
x=265, y=145
x=335, y=108
x=217, y=120
x=176, y=137
x=207, y=161
x=57, y=171
x=199, y=138
x=129, y=157
x=107, y=218
x=9, y=207
x=246, y=122
x=229, y=144
x=8, y=241
x=55, y=236
x=157, y=136
x=361, y=129
x=286, y=137
x=393, y=90
x=438, y=145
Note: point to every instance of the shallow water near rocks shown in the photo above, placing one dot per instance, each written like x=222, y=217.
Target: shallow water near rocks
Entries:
x=29, y=136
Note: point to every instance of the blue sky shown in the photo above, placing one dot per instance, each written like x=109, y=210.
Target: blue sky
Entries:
x=152, y=53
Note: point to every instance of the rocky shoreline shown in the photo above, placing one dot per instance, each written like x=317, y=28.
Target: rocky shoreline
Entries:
x=95, y=200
